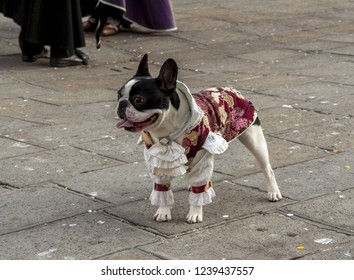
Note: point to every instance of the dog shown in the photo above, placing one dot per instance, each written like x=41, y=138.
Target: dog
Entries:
x=182, y=133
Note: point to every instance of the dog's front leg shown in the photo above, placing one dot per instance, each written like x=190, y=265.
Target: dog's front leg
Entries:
x=162, y=196
x=201, y=191
x=163, y=214
x=195, y=214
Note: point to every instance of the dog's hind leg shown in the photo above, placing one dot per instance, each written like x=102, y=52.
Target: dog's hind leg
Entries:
x=253, y=139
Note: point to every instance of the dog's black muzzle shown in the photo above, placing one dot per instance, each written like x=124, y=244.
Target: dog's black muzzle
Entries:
x=122, y=106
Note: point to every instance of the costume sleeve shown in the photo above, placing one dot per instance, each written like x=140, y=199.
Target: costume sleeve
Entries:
x=198, y=178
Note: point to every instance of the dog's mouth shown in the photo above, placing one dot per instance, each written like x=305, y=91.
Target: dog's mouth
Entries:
x=137, y=126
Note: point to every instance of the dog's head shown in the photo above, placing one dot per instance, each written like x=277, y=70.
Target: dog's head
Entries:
x=143, y=101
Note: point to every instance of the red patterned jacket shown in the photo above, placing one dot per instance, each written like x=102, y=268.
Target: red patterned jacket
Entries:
x=226, y=112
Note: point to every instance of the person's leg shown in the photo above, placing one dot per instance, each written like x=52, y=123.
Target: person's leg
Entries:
x=67, y=36
x=114, y=19
x=30, y=51
x=62, y=57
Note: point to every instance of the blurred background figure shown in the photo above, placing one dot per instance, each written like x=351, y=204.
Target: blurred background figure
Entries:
x=54, y=23
x=108, y=16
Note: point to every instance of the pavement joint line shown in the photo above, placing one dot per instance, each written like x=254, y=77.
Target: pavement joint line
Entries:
x=99, y=154
x=327, y=150
x=24, y=120
x=46, y=223
x=193, y=230
x=41, y=101
x=317, y=223
x=81, y=194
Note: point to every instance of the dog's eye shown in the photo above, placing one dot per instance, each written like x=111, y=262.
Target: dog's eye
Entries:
x=138, y=100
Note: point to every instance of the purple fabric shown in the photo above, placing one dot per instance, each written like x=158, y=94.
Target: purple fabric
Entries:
x=152, y=14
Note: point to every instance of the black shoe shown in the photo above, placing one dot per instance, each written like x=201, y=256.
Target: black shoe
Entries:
x=78, y=58
x=82, y=55
x=33, y=58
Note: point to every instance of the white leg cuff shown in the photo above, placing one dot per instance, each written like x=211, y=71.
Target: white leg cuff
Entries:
x=204, y=198
x=162, y=198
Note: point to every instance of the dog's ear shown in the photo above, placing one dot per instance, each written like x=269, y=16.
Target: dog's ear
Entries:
x=143, y=69
x=168, y=75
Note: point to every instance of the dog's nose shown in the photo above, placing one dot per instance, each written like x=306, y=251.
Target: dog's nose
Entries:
x=122, y=106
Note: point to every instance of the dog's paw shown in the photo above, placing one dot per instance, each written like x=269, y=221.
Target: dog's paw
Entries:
x=274, y=195
x=195, y=215
x=163, y=214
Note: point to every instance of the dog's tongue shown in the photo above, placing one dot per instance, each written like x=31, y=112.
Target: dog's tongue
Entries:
x=125, y=124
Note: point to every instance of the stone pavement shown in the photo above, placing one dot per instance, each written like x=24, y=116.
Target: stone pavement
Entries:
x=72, y=186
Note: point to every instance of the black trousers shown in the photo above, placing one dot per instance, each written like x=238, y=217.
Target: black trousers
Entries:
x=57, y=23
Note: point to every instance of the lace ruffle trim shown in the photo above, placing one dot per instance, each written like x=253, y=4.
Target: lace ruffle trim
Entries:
x=203, y=198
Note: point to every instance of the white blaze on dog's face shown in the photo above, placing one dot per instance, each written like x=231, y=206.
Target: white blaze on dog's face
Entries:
x=144, y=101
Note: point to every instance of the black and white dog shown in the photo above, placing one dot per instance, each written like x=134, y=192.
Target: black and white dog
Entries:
x=182, y=133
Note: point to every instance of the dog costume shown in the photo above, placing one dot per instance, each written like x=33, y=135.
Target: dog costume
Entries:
x=218, y=116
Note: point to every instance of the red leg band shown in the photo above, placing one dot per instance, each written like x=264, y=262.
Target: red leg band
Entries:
x=199, y=189
x=161, y=187
x=202, y=188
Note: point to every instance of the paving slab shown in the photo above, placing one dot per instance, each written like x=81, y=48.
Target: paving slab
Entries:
x=146, y=42
x=11, y=90
x=286, y=7
x=349, y=38
x=61, y=82
x=342, y=27
x=263, y=101
x=312, y=91
x=343, y=251
x=119, y=184
x=283, y=118
x=78, y=97
x=271, y=236
x=3, y=78
x=13, y=62
x=341, y=105
x=336, y=133
x=270, y=56
x=11, y=148
x=63, y=78
x=130, y=255
x=310, y=179
x=121, y=147
x=335, y=209
x=326, y=67
x=238, y=161
x=114, y=184
x=208, y=61
x=271, y=80
x=343, y=51
x=211, y=34
x=87, y=236
x=68, y=133
x=38, y=167
x=10, y=125
x=4, y=188
x=49, y=113
x=8, y=29
x=30, y=110
x=316, y=46
x=231, y=202
x=26, y=208
x=295, y=36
